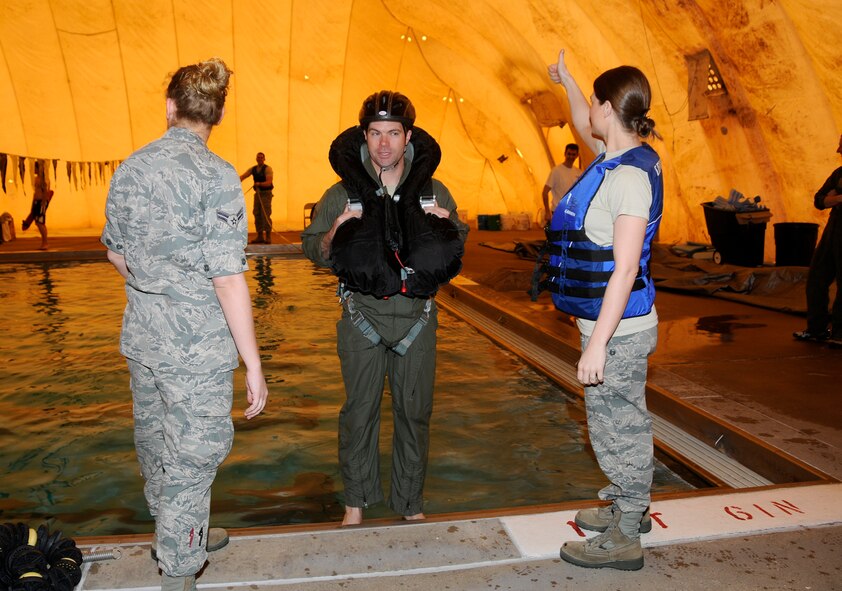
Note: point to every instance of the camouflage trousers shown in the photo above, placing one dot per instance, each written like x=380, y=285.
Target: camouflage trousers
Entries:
x=183, y=431
x=619, y=425
x=262, y=211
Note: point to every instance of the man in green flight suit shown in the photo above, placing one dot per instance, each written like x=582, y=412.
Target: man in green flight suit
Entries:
x=376, y=229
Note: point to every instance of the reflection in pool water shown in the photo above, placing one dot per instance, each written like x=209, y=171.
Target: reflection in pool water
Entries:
x=502, y=435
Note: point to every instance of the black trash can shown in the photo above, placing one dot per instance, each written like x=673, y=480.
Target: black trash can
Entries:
x=795, y=243
x=489, y=222
x=737, y=237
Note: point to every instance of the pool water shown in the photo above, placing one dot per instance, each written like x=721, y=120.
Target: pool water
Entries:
x=501, y=436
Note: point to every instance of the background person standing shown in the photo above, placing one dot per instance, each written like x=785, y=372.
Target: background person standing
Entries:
x=826, y=267
x=41, y=198
x=176, y=231
x=560, y=180
x=262, y=210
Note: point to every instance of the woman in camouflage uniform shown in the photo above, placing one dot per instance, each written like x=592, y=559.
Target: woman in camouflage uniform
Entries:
x=176, y=231
x=604, y=227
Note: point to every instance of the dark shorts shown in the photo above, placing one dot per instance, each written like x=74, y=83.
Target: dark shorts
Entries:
x=39, y=213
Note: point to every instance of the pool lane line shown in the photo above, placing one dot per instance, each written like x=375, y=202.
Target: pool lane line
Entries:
x=714, y=464
x=686, y=442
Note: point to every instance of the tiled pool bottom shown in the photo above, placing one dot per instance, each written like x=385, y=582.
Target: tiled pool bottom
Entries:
x=502, y=436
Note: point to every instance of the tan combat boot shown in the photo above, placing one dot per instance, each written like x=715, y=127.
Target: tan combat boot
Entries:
x=598, y=518
x=169, y=583
x=618, y=547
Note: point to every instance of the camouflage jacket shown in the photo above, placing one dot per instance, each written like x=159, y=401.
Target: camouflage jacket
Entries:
x=176, y=212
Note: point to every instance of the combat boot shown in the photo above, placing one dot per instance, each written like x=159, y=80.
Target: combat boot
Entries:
x=617, y=547
x=598, y=518
x=169, y=583
x=217, y=539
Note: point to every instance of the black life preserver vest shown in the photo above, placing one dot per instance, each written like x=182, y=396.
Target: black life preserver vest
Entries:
x=395, y=247
x=259, y=176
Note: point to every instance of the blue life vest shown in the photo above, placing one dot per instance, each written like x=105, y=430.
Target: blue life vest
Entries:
x=578, y=269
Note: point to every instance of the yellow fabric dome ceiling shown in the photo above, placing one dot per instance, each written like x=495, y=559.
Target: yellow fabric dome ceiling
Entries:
x=82, y=81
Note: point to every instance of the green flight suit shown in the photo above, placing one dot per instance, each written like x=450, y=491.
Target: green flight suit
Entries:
x=366, y=365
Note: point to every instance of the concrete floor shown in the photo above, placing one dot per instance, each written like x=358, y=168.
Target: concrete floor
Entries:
x=733, y=360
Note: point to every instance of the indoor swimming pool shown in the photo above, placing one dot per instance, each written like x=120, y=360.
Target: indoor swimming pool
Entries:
x=501, y=436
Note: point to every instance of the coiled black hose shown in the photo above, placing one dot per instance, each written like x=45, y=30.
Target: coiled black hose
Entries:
x=35, y=560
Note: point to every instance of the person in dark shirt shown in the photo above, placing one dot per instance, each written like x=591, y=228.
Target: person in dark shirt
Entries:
x=826, y=267
x=263, y=176
x=40, y=201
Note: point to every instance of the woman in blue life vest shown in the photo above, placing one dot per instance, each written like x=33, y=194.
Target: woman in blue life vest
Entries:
x=602, y=233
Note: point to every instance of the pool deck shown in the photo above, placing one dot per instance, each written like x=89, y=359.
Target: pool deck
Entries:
x=732, y=360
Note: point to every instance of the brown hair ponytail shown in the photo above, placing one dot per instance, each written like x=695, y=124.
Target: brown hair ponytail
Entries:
x=628, y=91
x=199, y=91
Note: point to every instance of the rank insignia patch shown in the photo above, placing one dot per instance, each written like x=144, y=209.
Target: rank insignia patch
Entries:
x=232, y=219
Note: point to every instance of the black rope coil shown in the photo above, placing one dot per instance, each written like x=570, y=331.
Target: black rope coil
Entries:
x=35, y=560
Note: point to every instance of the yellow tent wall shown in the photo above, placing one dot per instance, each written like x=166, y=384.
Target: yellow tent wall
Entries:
x=82, y=81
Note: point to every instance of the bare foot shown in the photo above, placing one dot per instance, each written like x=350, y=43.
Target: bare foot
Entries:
x=353, y=516
x=416, y=517
x=42, y=247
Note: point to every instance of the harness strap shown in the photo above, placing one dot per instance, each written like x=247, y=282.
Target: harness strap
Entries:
x=566, y=235
x=357, y=318
x=582, y=274
x=403, y=346
x=362, y=323
x=541, y=263
x=583, y=292
x=582, y=254
x=596, y=256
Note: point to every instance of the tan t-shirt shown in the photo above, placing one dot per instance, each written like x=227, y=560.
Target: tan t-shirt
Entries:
x=624, y=191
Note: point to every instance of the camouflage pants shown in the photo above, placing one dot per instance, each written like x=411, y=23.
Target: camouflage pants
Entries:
x=262, y=211
x=619, y=425
x=183, y=432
